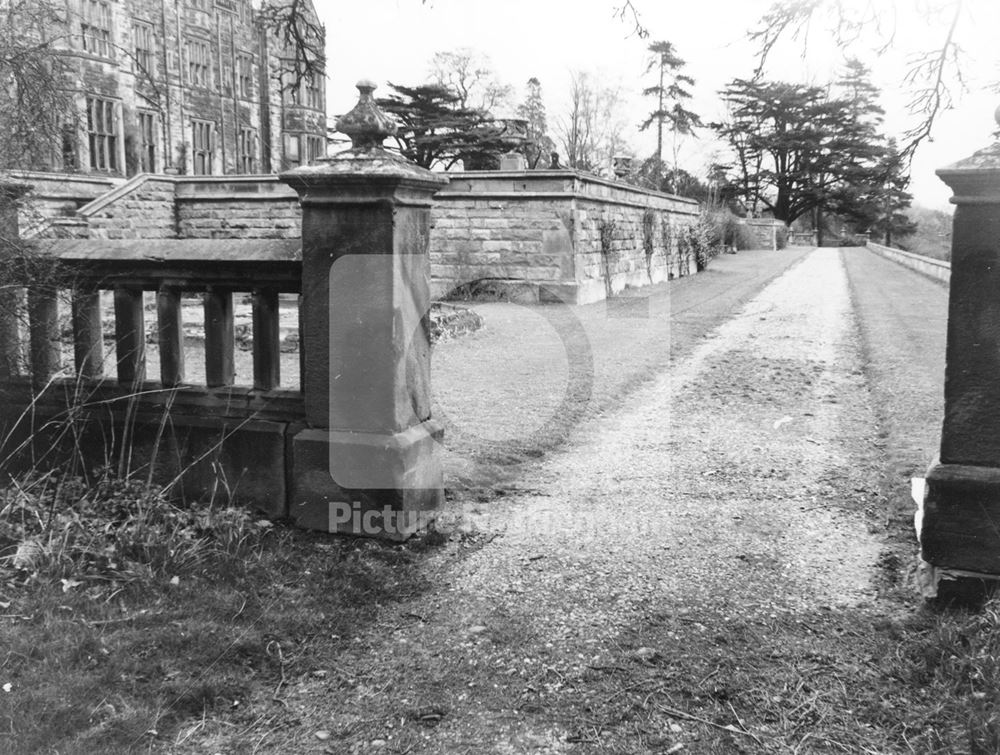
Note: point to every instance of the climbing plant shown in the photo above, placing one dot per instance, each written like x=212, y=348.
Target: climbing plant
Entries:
x=608, y=229
x=648, y=229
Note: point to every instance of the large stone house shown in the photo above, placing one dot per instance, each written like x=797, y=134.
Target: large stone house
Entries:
x=194, y=87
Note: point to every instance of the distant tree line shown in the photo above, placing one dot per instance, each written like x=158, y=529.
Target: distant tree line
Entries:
x=800, y=150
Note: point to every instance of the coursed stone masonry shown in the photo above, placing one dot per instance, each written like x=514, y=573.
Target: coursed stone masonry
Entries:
x=540, y=235
x=179, y=207
x=555, y=235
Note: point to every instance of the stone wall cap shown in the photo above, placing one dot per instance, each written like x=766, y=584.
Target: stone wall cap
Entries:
x=987, y=158
x=373, y=164
x=34, y=176
x=173, y=251
x=583, y=176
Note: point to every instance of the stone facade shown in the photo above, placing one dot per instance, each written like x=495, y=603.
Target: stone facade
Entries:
x=188, y=86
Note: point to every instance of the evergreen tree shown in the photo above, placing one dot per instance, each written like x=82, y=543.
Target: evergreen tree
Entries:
x=671, y=92
x=539, y=145
x=888, y=199
x=798, y=150
x=434, y=128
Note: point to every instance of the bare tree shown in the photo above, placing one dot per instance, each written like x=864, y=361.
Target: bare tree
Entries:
x=36, y=101
x=469, y=75
x=591, y=132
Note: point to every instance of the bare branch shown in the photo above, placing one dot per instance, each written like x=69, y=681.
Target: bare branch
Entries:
x=297, y=29
x=930, y=71
x=630, y=15
x=937, y=96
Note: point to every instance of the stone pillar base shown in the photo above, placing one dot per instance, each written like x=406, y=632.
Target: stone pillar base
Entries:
x=959, y=522
x=946, y=586
x=371, y=484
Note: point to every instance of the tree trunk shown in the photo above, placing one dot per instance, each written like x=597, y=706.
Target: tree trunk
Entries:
x=659, y=133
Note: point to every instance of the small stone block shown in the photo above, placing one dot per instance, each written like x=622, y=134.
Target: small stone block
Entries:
x=960, y=527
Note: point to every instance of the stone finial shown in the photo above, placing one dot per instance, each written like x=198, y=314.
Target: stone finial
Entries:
x=366, y=124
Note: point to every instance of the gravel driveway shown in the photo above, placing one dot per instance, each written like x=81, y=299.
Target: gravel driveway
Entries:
x=735, y=487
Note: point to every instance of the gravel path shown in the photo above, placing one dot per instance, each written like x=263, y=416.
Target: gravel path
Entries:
x=516, y=389
x=735, y=486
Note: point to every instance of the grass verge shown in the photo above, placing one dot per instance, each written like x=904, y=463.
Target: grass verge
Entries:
x=128, y=624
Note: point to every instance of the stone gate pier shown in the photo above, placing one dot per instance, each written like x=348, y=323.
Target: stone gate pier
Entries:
x=367, y=461
x=959, y=521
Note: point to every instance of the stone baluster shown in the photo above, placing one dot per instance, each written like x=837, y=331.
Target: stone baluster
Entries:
x=220, y=369
x=130, y=336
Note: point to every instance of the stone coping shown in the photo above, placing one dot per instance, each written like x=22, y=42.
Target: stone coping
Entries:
x=64, y=185
x=95, y=206
x=260, y=187
x=549, y=175
x=177, y=250
x=910, y=255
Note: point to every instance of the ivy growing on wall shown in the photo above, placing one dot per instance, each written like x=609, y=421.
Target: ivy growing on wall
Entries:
x=648, y=229
x=608, y=229
x=667, y=239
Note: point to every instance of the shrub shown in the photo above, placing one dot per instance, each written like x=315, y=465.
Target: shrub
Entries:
x=700, y=241
x=728, y=231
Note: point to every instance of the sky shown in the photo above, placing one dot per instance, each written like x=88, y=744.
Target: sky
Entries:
x=394, y=40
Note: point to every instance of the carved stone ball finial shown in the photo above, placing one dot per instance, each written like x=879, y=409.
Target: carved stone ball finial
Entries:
x=366, y=124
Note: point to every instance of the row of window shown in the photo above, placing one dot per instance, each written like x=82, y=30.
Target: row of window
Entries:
x=104, y=134
x=95, y=28
x=307, y=91
x=203, y=149
x=303, y=149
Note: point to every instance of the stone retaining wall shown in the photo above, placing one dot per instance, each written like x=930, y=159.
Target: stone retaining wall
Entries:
x=237, y=207
x=142, y=207
x=766, y=232
x=56, y=197
x=203, y=207
x=555, y=234
x=544, y=234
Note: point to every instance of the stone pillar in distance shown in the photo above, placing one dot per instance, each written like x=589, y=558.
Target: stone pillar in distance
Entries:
x=10, y=297
x=960, y=527
x=368, y=462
